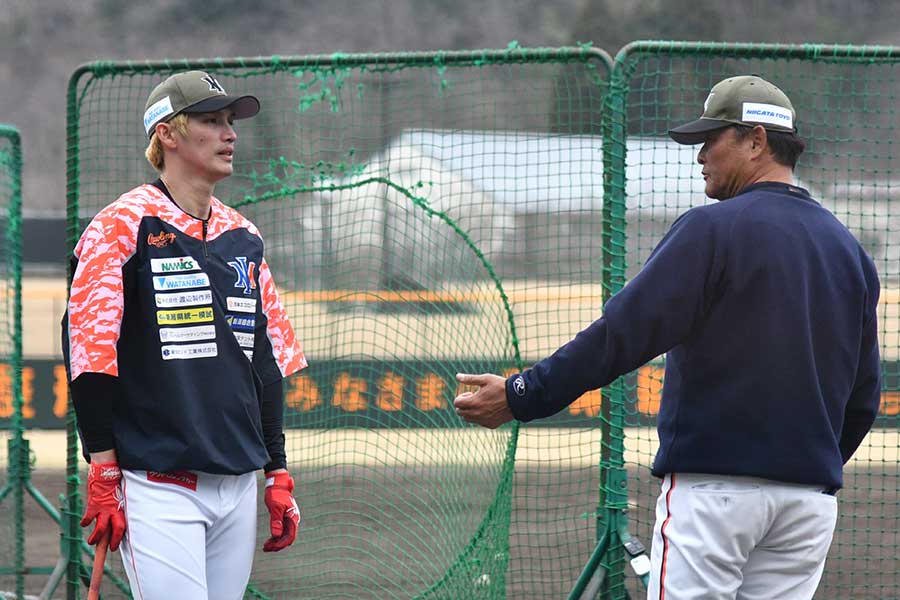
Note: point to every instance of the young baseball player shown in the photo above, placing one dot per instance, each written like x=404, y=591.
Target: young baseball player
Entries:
x=766, y=306
x=176, y=344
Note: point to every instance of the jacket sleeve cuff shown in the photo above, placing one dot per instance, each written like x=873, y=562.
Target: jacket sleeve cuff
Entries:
x=517, y=397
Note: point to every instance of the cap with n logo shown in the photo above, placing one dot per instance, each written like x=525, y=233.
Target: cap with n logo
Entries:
x=193, y=92
x=745, y=100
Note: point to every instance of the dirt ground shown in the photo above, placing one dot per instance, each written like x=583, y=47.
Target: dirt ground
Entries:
x=380, y=528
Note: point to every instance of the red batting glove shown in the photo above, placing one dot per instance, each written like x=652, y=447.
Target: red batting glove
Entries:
x=284, y=516
x=105, y=504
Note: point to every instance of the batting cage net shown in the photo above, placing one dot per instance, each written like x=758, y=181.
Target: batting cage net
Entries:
x=13, y=456
x=423, y=215
x=431, y=213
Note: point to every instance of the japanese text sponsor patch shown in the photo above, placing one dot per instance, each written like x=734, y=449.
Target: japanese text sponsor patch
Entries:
x=190, y=351
x=188, y=315
x=187, y=334
x=184, y=299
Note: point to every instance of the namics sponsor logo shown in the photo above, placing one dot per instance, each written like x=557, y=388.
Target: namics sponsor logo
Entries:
x=163, y=283
x=174, y=264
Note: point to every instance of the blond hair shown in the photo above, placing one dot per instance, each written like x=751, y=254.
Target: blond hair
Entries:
x=154, y=151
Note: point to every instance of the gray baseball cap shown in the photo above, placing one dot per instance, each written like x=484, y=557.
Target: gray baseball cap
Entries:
x=193, y=92
x=745, y=100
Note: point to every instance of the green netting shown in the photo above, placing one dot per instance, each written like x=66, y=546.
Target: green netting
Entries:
x=12, y=461
x=846, y=102
x=423, y=214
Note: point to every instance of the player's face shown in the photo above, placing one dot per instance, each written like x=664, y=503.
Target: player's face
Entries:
x=208, y=148
x=725, y=163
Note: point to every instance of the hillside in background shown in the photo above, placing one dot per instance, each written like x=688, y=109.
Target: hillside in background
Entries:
x=41, y=43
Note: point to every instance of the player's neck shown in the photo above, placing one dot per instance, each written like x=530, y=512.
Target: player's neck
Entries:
x=193, y=196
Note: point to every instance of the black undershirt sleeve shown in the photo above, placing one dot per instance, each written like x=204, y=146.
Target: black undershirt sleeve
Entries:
x=93, y=395
x=272, y=413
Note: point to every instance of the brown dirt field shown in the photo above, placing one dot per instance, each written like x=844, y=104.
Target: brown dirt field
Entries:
x=864, y=560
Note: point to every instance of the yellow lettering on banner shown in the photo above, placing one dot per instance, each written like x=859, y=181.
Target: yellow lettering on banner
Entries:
x=6, y=392
x=390, y=392
x=649, y=389
x=430, y=392
x=60, y=391
x=303, y=394
x=890, y=404
x=349, y=393
x=588, y=404
x=27, y=392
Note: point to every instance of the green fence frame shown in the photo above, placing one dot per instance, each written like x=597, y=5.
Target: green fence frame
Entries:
x=19, y=464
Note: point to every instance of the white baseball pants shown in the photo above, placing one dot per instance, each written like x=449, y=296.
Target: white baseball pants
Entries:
x=190, y=535
x=739, y=538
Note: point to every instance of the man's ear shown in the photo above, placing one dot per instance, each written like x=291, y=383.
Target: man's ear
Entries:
x=167, y=135
x=759, y=140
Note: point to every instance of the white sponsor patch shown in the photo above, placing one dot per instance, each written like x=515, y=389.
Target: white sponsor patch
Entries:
x=190, y=351
x=157, y=110
x=757, y=112
x=184, y=299
x=180, y=282
x=174, y=264
x=247, y=305
x=187, y=334
x=245, y=340
x=248, y=354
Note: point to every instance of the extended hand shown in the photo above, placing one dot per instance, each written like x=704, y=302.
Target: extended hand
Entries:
x=486, y=407
x=105, y=504
x=284, y=515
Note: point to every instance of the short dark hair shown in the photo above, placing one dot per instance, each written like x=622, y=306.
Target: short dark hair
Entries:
x=786, y=147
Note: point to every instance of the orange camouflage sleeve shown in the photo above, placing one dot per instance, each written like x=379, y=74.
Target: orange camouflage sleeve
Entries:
x=96, y=300
x=285, y=346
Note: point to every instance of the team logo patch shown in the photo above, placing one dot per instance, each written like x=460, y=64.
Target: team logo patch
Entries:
x=244, y=272
x=239, y=323
x=184, y=299
x=161, y=239
x=162, y=283
x=247, y=305
x=519, y=385
x=185, y=479
x=174, y=264
x=188, y=315
x=190, y=351
x=214, y=86
x=187, y=334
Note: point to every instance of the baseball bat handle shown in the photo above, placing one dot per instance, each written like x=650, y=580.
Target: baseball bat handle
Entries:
x=97, y=571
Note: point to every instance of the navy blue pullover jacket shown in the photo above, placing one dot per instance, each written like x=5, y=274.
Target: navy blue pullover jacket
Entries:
x=766, y=305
